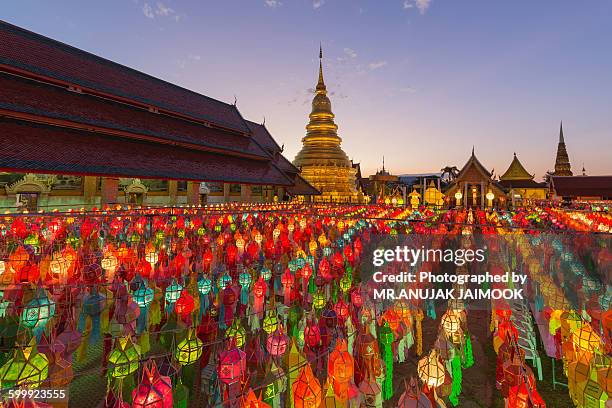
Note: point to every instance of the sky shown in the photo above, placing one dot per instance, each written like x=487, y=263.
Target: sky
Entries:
x=417, y=81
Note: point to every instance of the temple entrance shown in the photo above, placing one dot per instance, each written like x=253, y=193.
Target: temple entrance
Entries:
x=27, y=201
x=474, y=197
x=135, y=198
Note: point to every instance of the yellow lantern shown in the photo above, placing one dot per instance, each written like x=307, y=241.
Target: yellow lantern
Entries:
x=431, y=370
x=490, y=196
x=458, y=197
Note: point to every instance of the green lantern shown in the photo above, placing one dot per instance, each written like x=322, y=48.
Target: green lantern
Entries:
x=38, y=311
x=345, y=283
x=270, y=322
x=27, y=368
x=266, y=273
x=124, y=358
x=173, y=291
x=318, y=301
x=189, y=350
x=237, y=332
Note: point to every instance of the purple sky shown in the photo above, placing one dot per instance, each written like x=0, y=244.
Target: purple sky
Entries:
x=418, y=81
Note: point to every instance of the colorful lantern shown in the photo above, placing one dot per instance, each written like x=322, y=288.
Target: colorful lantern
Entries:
x=124, y=359
x=306, y=389
x=154, y=391
x=431, y=370
x=189, y=349
x=27, y=368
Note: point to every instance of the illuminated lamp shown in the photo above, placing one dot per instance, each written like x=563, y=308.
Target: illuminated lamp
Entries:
x=340, y=368
x=431, y=370
x=173, y=291
x=38, y=311
x=27, y=368
x=342, y=310
x=237, y=333
x=154, y=391
x=185, y=304
x=270, y=322
x=277, y=342
x=312, y=334
x=458, y=197
x=306, y=389
x=58, y=268
x=452, y=326
x=266, y=273
x=143, y=296
x=124, y=358
x=189, y=350
x=204, y=285
x=585, y=339
x=490, y=196
x=232, y=365
x=224, y=281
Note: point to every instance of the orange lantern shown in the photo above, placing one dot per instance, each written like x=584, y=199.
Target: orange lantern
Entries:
x=306, y=389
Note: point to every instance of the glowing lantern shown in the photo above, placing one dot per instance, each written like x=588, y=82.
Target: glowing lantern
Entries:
x=340, y=368
x=232, y=365
x=251, y=401
x=277, y=342
x=124, y=358
x=431, y=370
x=204, y=285
x=151, y=255
x=341, y=309
x=318, y=300
x=185, y=304
x=189, y=349
x=154, y=391
x=27, y=368
x=109, y=264
x=143, y=296
x=270, y=322
x=58, y=268
x=266, y=273
x=173, y=291
x=237, y=333
x=458, y=197
x=306, y=389
x=38, y=311
x=490, y=196
x=586, y=340
x=452, y=325
x=312, y=334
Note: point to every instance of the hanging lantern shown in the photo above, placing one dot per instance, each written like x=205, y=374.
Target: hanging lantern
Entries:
x=154, y=391
x=189, y=349
x=237, y=333
x=232, y=365
x=586, y=340
x=277, y=342
x=38, y=311
x=27, y=368
x=340, y=367
x=431, y=370
x=173, y=291
x=306, y=389
x=251, y=401
x=143, y=296
x=204, y=285
x=58, y=268
x=270, y=322
x=318, y=300
x=124, y=359
x=185, y=304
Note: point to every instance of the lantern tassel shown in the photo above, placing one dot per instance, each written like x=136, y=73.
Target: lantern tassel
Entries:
x=467, y=352
x=457, y=379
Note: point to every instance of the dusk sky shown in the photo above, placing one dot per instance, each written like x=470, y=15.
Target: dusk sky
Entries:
x=418, y=81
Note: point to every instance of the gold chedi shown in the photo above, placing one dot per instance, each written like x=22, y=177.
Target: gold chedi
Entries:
x=322, y=161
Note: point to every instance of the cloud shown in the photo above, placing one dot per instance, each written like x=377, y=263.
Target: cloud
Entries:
x=376, y=65
x=350, y=52
x=160, y=10
x=317, y=3
x=422, y=5
x=194, y=57
x=273, y=3
x=147, y=10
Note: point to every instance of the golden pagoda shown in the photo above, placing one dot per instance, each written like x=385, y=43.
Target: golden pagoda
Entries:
x=322, y=161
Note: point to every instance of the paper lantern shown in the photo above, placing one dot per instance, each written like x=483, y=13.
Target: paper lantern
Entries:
x=38, y=311
x=232, y=365
x=237, y=333
x=189, y=349
x=318, y=300
x=270, y=322
x=340, y=363
x=306, y=389
x=431, y=370
x=204, y=285
x=143, y=296
x=173, y=291
x=28, y=368
x=276, y=344
x=586, y=340
x=154, y=391
x=251, y=401
x=185, y=304
x=124, y=359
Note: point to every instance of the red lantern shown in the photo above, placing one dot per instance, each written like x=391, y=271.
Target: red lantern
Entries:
x=312, y=334
x=184, y=304
x=232, y=365
x=154, y=391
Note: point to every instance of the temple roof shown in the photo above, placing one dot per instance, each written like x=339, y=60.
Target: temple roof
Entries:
x=37, y=56
x=473, y=162
x=51, y=149
x=582, y=186
x=516, y=171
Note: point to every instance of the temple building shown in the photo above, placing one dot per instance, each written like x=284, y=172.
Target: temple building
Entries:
x=474, y=187
x=322, y=161
x=382, y=184
x=520, y=185
x=78, y=130
x=562, y=163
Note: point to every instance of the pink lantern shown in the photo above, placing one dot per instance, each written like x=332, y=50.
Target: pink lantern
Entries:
x=154, y=391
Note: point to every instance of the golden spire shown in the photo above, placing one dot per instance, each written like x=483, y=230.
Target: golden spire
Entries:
x=321, y=84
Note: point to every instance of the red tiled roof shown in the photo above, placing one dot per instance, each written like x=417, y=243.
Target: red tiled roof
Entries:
x=302, y=187
x=266, y=141
x=50, y=149
x=25, y=96
x=583, y=186
x=34, y=54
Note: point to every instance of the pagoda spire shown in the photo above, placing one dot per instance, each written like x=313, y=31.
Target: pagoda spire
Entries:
x=562, y=163
x=321, y=88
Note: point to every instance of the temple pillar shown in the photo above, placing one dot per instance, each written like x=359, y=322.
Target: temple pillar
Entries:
x=109, y=190
x=172, y=191
x=281, y=194
x=245, y=193
x=193, y=193
x=482, y=195
x=465, y=195
x=90, y=185
x=226, y=192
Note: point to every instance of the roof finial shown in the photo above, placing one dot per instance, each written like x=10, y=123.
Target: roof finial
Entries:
x=264, y=121
x=561, y=139
x=235, y=100
x=383, y=164
x=321, y=83
x=514, y=154
x=472, y=150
